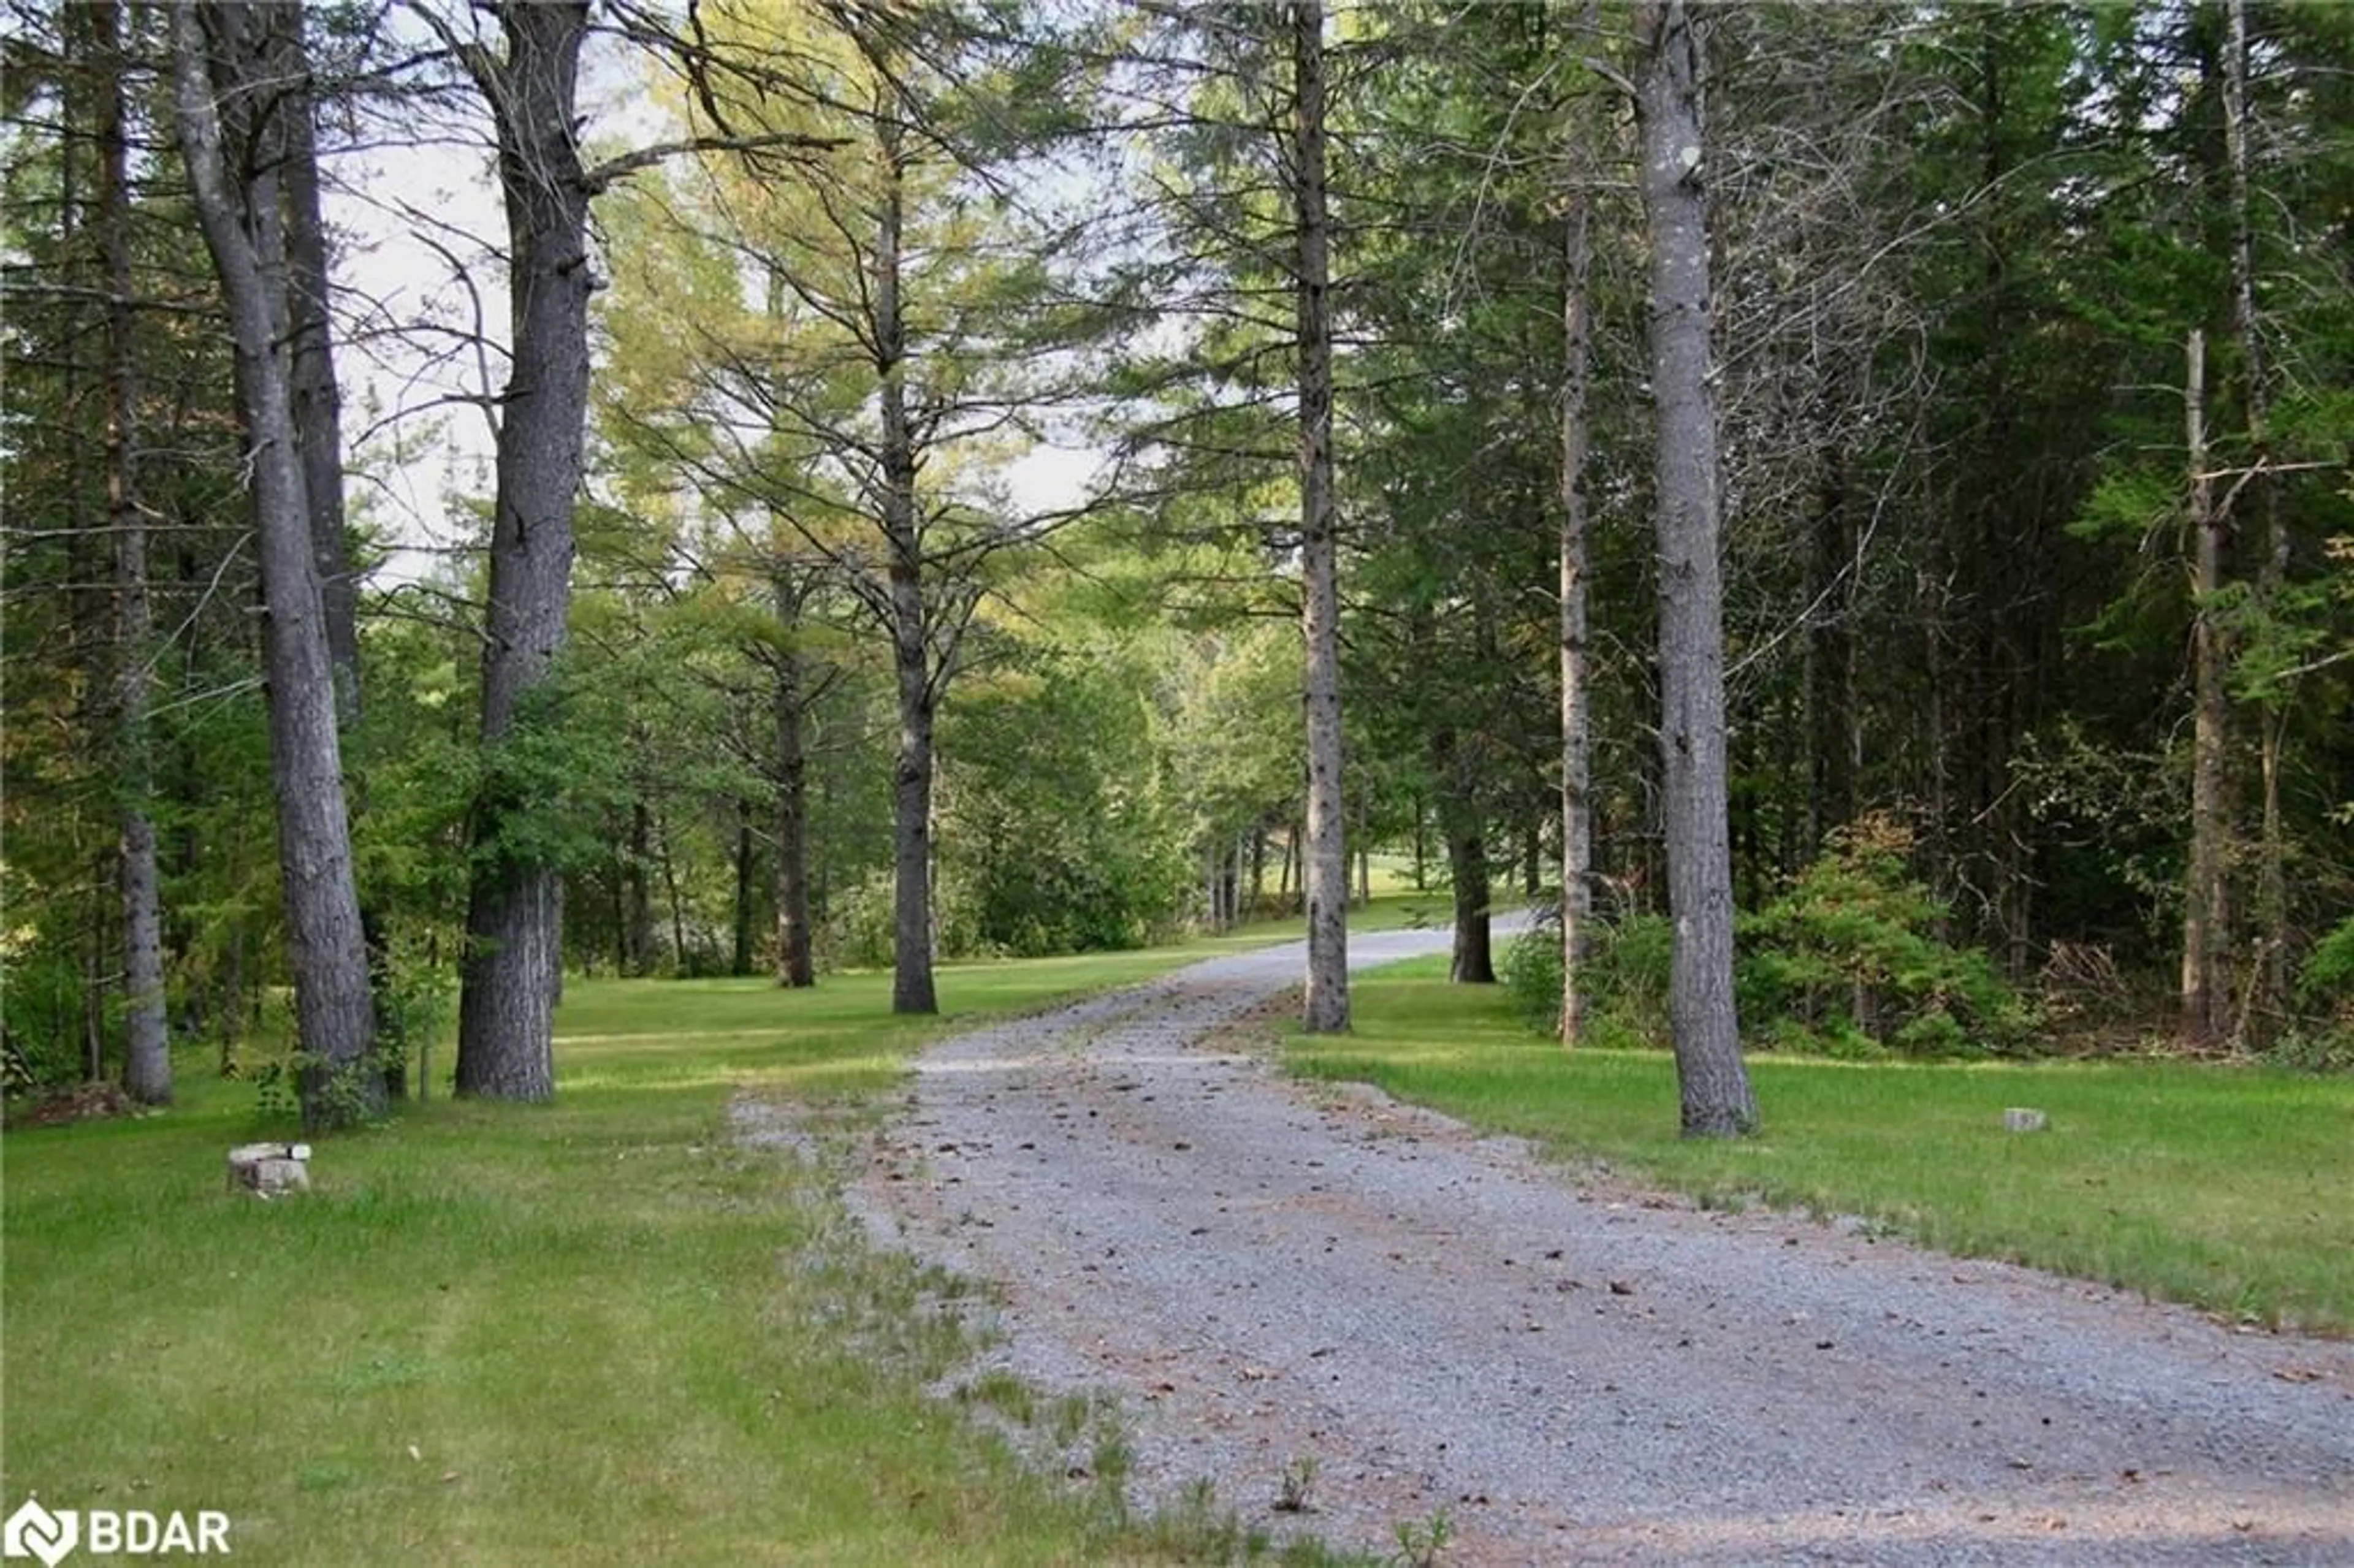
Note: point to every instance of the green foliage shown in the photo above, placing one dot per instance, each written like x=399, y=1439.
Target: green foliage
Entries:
x=323, y=1096
x=1054, y=835
x=1623, y=979
x=1848, y=961
x=2327, y=976
x=2325, y=1043
x=858, y=929
x=2314, y=1049
x=43, y=1021
x=1421, y=1543
x=416, y=1004
x=544, y=786
x=1531, y=976
x=1846, y=964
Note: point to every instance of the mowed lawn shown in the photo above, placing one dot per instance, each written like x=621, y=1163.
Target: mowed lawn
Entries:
x=604, y=1332
x=596, y=1332
x=2223, y=1187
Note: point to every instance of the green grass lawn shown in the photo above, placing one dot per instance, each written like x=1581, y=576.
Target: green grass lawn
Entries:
x=600, y=1332
x=2222, y=1187
x=596, y=1332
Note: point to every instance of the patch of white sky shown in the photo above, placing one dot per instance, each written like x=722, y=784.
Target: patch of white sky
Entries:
x=415, y=204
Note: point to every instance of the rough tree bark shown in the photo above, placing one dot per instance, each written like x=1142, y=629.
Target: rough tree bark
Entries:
x=218, y=71
x=1717, y=1100
x=318, y=424
x=318, y=405
x=1465, y=827
x=1576, y=732
x=1834, y=719
x=514, y=917
x=795, y=962
x=739, y=957
x=1327, y=862
x=636, y=894
x=2271, y=912
x=2206, y=975
x=147, y=1052
x=912, y=988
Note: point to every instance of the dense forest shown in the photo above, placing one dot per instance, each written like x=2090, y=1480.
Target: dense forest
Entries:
x=1847, y=508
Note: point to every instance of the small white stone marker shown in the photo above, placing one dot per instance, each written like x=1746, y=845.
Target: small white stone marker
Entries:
x=267, y=1169
x=2018, y=1118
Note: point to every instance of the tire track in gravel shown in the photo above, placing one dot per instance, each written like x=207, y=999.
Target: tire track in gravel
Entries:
x=1262, y=1271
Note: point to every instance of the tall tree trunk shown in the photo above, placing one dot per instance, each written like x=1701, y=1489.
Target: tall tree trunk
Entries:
x=2206, y=975
x=318, y=408
x=86, y=610
x=244, y=231
x=620, y=913
x=1576, y=724
x=796, y=961
x=678, y=959
x=1717, y=1100
x=1258, y=841
x=1465, y=828
x=912, y=988
x=1833, y=721
x=2270, y=1002
x=638, y=899
x=1327, y=861
x=514, y=907
x=1931, y=590
x=147, y=1052
x=1472, y=958
x=318, y=424
x=98, y=961
x=739, y=957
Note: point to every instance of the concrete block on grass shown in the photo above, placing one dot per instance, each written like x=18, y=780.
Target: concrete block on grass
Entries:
x=270, y=1169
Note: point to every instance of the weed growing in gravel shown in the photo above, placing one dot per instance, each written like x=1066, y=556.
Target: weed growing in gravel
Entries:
x=1111, y=1463
x=1294, y=1485
x=1000, y=1389
x=1195, y=1530
x=1071, y=1414
x=1421, y=1542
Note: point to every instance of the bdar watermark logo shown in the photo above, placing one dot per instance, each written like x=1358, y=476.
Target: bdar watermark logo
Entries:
x=33, y=1531
x=52, y=1534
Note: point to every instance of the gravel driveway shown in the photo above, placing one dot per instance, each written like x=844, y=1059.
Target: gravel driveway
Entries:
x=1264, y=1273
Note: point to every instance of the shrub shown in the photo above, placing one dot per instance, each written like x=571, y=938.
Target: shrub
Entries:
x=41, y=1020
x=1847, y=963
x=2326, y=980
x=1850, y=952
x=1624, y=979
x=2325, y=985
x=858, y=929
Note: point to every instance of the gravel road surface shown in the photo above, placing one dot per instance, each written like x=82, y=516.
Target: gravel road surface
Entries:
x=1263, y=1273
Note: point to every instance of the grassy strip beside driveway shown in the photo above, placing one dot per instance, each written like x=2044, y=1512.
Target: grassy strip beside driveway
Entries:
x=595, y=1332
x=2221, y=1187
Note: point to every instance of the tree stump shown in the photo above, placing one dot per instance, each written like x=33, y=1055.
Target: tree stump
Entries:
x=269, y=1170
